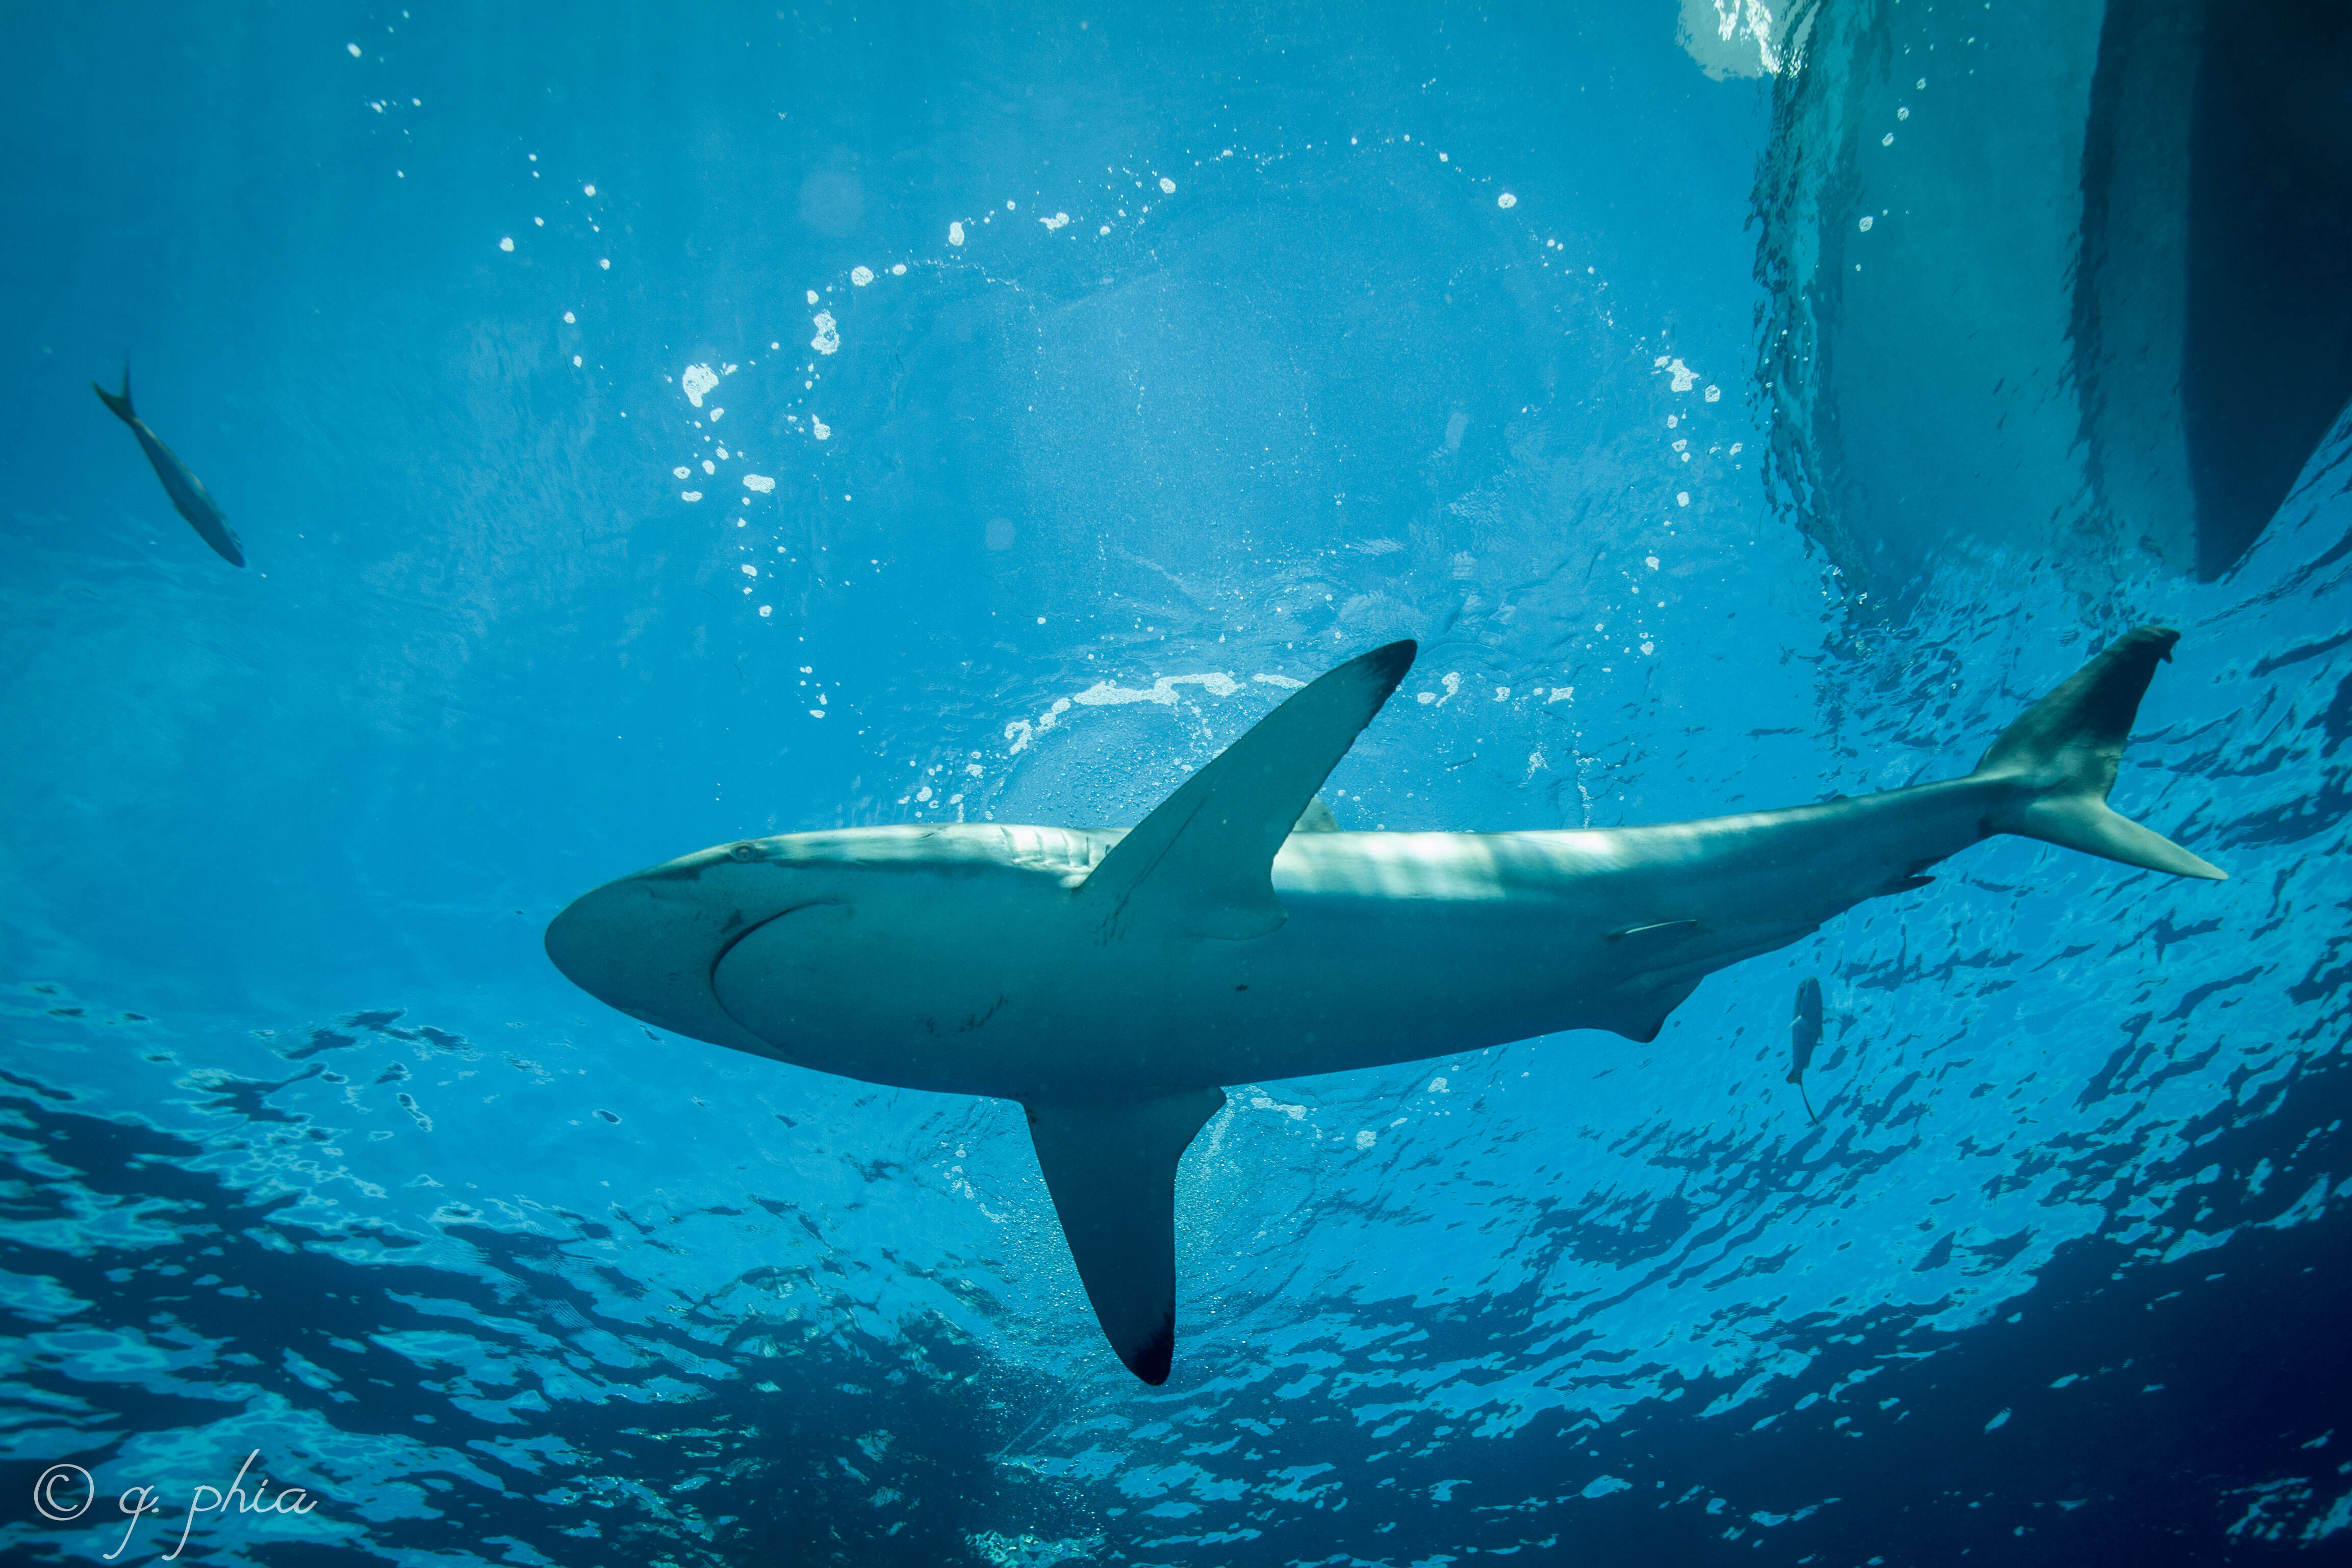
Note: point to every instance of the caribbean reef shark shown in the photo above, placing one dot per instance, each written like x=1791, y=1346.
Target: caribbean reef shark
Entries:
x=188, y=494
x=1111, y=981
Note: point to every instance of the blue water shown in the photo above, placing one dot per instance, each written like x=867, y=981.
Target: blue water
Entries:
x=1258, y=337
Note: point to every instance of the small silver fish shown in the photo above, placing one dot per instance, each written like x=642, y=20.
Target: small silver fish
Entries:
x=1804, y=1034
x=188, y=494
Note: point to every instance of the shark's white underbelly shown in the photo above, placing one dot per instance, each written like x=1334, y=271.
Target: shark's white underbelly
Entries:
x=1344, y=984
x=961, y=959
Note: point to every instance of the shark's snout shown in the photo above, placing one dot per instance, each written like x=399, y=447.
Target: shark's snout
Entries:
x=650, y=944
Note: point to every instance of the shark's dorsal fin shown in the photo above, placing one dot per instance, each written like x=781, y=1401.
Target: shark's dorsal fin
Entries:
x=1203, y=862
x=1111, y=1167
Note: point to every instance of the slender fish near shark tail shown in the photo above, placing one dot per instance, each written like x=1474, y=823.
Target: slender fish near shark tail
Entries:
x=1804, y=1034
x=1112, y=982
x=188, y=494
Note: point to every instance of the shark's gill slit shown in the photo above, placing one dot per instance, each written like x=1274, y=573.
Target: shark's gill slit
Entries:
x=749, y=928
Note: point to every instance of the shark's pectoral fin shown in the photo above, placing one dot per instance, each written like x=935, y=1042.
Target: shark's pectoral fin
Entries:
x=1111, y=1167
x=1202, y=863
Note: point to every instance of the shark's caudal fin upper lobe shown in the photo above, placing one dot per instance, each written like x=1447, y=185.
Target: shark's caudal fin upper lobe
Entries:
x=2065, y=749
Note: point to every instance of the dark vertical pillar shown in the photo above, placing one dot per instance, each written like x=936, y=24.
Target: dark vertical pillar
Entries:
x=2267, y=360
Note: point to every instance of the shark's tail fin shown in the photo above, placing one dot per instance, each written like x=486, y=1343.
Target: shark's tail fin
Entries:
x=120, y=405
x=2066, y=748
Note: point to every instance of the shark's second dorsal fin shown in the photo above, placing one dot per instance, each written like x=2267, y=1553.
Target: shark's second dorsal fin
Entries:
x=1317, y=819
x=1111, y=1167
x=1203, y=862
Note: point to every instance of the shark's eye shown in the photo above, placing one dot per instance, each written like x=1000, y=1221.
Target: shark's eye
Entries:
x=744, y=851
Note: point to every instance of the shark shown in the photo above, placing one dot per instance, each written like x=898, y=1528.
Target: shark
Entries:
x=189, y=496
x=1112, y=983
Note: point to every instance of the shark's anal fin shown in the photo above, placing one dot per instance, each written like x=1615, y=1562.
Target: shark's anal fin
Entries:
x=1111, y=1167
x=1201, y=864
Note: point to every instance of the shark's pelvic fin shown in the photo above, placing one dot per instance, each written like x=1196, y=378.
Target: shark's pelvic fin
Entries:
x=1642, y=1003
x=1111, y=1167
x=1202, y=863
x=2067, y=748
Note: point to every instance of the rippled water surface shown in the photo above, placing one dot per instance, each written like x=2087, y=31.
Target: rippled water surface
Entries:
x=652, y=427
